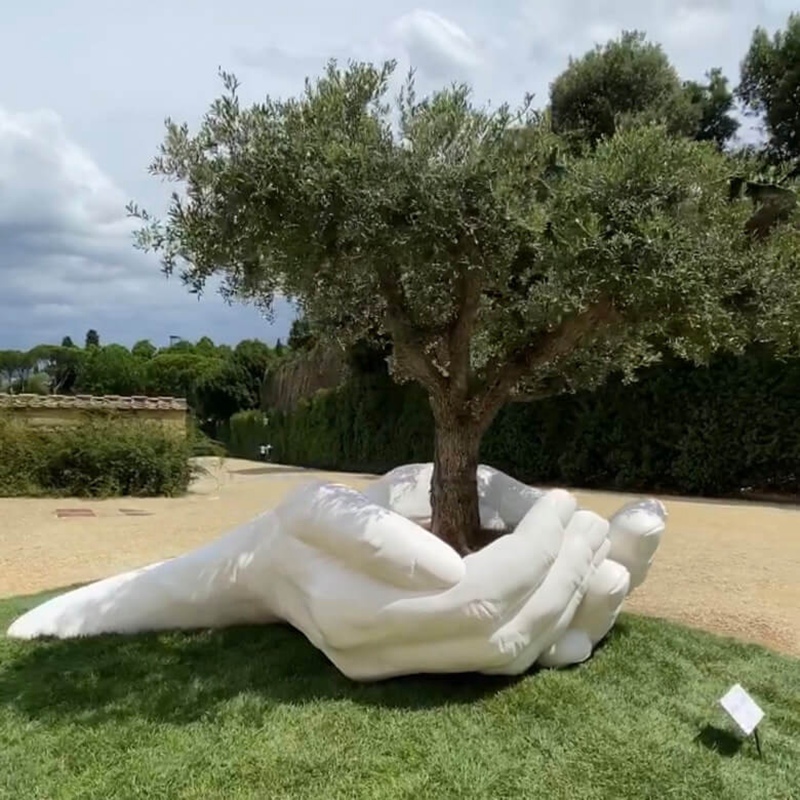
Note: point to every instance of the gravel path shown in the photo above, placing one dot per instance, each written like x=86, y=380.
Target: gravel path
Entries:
x=730, y=568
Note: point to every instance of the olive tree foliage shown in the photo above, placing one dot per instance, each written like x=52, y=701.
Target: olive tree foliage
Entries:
x=498, y=264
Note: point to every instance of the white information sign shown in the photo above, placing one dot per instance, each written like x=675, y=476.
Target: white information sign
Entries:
x=742, y=709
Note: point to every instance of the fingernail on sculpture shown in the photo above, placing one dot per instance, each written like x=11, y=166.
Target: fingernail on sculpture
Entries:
x=361, y=577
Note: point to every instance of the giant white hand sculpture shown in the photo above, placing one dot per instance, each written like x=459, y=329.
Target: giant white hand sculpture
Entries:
x=379, y=594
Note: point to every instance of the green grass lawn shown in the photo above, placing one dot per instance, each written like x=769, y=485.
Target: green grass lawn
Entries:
x=258, y=713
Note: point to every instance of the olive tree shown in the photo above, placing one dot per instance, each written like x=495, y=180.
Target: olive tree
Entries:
x=497, y=267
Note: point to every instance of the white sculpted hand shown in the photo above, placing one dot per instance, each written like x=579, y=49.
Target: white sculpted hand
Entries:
x=379, y=594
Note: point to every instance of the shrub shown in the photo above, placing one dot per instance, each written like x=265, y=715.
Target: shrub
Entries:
x=99, y=457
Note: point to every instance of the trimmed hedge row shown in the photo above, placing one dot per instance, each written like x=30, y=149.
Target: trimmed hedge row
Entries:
x=713, y=431
x=101, y=457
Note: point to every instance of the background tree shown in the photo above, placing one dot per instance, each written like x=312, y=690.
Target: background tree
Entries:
x=28, y=367
x=770, y=86
x=144, y=349
x=631, y=78
x=219, y=391
x=216, y=380
x=205, y=346
x=92, y=338
x=172, y=374
x=111, y=369
x=491, y=273
x=67, y=342
x=712, y=103
x=301, y=336
x=253, y=357
x=10, y=361
x=52, y=372
x=181, y=346
x=18, y=368
x=63, y=366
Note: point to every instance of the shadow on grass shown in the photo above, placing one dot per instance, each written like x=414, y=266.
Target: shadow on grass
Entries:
x=719, y=740
x=182, y=677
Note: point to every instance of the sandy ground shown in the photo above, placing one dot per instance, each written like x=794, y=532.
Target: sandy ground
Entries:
x=731, y=568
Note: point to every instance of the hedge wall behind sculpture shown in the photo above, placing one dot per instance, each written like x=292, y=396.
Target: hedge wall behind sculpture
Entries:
x=712, y=430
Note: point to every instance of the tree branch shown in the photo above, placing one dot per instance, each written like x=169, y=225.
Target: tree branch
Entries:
x=468, y=295
x=545, y=347
x=410, y=340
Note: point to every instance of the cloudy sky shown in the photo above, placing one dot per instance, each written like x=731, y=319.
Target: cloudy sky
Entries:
x=88, y=84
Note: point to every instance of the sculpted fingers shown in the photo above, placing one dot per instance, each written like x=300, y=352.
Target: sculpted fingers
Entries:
x=369, y=538
x=604, y=597
x=514, y=566
x=594, y=617
x=498, y=580
x=635, y=533
x=548, y=611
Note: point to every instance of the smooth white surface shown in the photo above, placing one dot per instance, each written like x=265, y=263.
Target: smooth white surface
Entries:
x=742, y=709
x=380, y=595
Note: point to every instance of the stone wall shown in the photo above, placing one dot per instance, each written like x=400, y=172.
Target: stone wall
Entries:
x=55, y=410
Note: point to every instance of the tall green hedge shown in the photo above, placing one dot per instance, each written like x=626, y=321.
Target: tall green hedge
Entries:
x=713, y=430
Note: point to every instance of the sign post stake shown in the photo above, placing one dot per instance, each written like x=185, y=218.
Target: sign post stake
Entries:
x=744, y=711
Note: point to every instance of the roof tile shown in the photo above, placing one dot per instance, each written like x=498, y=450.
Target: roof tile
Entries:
x=90, y=402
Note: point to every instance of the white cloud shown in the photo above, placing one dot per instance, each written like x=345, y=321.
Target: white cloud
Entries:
x=439, y=47
x=58, y=212
x=50, y=180
x=66, y=255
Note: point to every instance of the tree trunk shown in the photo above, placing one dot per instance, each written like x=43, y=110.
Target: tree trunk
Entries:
x=454, y=488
